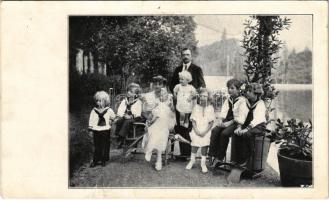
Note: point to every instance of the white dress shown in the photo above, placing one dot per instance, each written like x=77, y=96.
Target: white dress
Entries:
x=202, y=117
x=158, y=132
x=183, y=94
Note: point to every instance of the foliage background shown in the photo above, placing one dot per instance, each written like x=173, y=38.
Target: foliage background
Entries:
x=133, y=48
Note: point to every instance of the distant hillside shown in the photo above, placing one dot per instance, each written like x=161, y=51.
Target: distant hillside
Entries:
x=293, y=67
x=220, y=55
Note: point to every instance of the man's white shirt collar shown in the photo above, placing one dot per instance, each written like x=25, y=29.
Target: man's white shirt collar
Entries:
x=187, y=65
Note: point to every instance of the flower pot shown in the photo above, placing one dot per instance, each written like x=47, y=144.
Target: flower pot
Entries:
x=261, y=146
x=294, y=172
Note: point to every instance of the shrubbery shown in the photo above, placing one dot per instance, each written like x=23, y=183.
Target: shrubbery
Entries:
x=88, y=84
x=83, y=87
x=80, y=143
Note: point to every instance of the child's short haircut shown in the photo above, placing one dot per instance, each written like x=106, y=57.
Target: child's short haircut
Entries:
x=134, y=88
x=235, y=82
x=255, y=88
x=185, y=74
x=103, y=96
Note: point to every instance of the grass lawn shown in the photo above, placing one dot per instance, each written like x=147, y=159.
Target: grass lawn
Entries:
x=139, y=173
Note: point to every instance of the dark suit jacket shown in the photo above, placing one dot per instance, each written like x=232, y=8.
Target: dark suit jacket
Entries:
x=196, y=73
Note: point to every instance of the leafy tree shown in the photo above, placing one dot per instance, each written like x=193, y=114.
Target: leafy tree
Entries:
x=261, y=44
x=137, y=45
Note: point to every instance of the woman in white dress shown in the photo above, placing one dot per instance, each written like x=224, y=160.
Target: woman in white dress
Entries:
x=202, y=118
x=163, y=119
x=151, y=100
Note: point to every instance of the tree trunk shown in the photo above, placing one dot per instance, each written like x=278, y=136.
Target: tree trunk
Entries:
x=104, y=68
x=79, y=61
x=99, y=64
x=85, y=63
x=108, y=68
x=91, y=63
x=96, y=60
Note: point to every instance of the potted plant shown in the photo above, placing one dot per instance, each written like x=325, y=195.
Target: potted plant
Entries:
x=294, y=139
x=219, y=96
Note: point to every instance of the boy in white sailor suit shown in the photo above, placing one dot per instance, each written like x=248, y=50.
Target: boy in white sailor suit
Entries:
x=100, y=121
x=129, y=111
x=233, y=113
x=254, y=125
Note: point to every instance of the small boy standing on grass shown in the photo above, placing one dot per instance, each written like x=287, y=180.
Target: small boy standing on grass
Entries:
x=100, y=120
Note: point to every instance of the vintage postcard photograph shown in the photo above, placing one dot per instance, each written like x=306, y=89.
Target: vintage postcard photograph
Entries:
x=190, y=101
x=147, y=99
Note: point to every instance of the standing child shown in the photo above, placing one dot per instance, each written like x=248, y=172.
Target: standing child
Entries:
x=255, y=124
x=158, y=131
x=100, y=120
x=184, y=93
x=129, y=111
x=202, y=117
x=233, y=113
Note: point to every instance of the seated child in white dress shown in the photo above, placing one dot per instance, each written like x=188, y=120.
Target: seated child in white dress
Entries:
x=184, y=93
x=158, y=128
x=100, y=121
x=203, y=116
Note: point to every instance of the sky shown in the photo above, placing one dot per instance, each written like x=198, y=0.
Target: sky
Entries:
x=210, y=28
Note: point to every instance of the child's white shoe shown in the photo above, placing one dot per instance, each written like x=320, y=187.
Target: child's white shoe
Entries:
x=192, y=161
x=158, y=166
x=204, y=168
x=148, y=156
x=190, y=164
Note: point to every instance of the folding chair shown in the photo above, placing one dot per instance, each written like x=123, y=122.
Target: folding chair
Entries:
x=131, y=143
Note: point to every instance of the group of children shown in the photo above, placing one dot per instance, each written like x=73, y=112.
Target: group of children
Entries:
x=242, y=116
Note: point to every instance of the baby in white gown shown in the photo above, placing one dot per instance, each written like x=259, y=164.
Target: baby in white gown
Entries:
x=159, y=126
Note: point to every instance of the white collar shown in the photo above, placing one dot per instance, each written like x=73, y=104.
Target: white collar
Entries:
x=106, y=108
x=255, y=104
x=187, y=65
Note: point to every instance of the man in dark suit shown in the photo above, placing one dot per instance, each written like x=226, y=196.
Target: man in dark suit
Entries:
x=196, y=71
x=197, y=82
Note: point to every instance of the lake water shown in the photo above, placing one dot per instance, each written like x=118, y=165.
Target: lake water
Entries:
x=293, y=101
